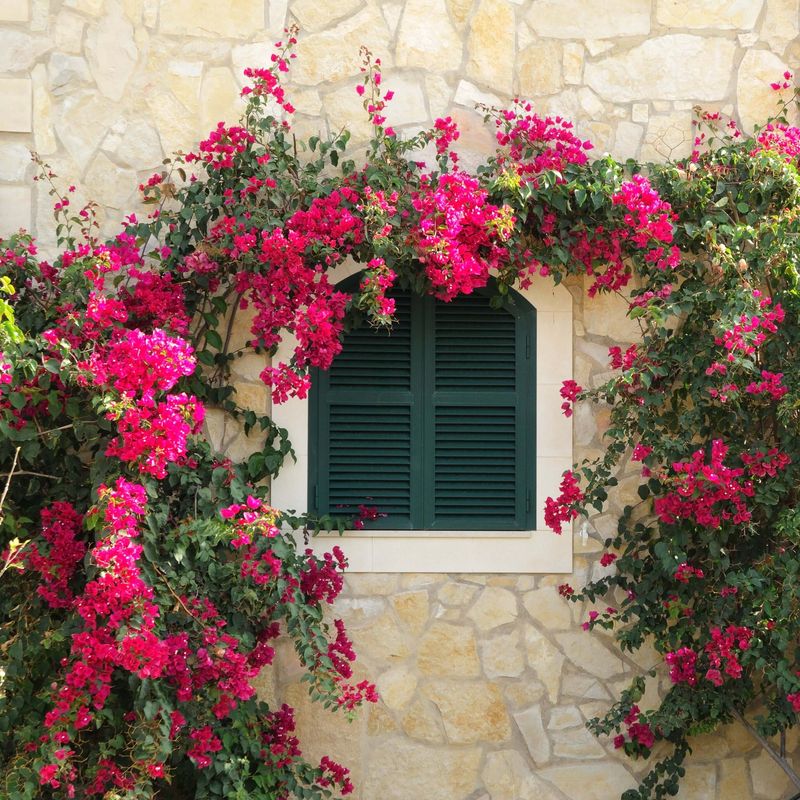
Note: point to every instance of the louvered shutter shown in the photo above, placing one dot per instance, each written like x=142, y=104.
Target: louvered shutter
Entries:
x=432, y=423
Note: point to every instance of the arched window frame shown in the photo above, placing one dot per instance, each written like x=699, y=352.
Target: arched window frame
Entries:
x=532, y=551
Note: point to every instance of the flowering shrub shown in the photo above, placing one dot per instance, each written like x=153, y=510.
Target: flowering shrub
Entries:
x=145, y=576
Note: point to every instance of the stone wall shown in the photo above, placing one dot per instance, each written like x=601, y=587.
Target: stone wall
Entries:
x=486, y=680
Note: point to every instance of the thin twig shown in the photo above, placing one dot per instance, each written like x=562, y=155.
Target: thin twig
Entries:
x=173, y=592
x=8, y=477
x=776, y=756
x=23, y=472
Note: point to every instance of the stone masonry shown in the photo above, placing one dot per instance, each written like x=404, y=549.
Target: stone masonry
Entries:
x=486, y=680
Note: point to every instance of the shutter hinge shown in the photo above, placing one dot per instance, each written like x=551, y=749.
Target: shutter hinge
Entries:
x=528, y=346
x=528, y=501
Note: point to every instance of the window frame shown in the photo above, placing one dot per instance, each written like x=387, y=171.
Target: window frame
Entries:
x=537, y=550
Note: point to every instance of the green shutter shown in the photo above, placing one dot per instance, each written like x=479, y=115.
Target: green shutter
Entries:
x=433, y=422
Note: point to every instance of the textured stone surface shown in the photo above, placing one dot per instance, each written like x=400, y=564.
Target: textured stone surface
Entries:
x=112, y=54
x=502, y=656
x=427, y=38
x=494, y=607
x=397, y=686
x=540, y=68
x=587, y=782
x=579, y=19
x=15, y=104
x=471, y=712
x=490, y=46
x=14, y=10
x=15, y=209
x=448, y=650
x=715, y=14
x=230, y=18
x=756, y=99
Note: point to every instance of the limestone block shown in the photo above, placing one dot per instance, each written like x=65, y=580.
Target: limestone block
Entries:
x=469, y=95
x=392, y=13
x=563, y=717
x=382, y=641
x=494, y=607
x=506, y=776
x=587, y=19
x=396, y=686
x=15, y=209
x=399, y=770
x=112, y=53
x=439, y=94
x=219, y=99
x=502, y=656
x=627, y=140
x=314, y=16
x=471, y=712
x=333, y=54
x=184, y=78
x=277, y=10
x=578, y=744
x=426, y=37
x=15, y=105
x=716, y=14
x=420, y=722
x=413, y=609
x=108, y=184
x=14, y=11
x=67, y=73
x=253, y=396
x=531, y=727
x=587, y=782
x=214, y=427
x=359, y=611
x=581, y=686
x=177, y=127
x=573, y=63
x=734, y=779
x=668, y=136
x=15, y=158
x=755, y=99
x=781, y=24
x=140, y=147
x=459, y=11
x=379, y=721
x=491, y=45
x=540, y=69
x=91, y=7
x=585, y=650
x=545, y=659
x=43, y=134
x=640, y=112
x=448, y=650
x=673, y=67
x=769, y=780
x=605, y=315
x=548, y=609
x=19, y=50
x=456, y=594
x=235, y=19
x=68, y=29
x=408, y=106
x=371, y=584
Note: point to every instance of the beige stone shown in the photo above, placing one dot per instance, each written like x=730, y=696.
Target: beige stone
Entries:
x=214, y=427
x=573, y=63
x=506, y=776
x=769, y=780
x=251, y=396
x=448, y=650
x=15, y=158
x=531, y=727
x=548, y=608
x=582, y=686
x=471, y=711
x=490, y=47
x=606, y=315
x=587, y=782
x=420, y=722
x=459, y=11
x=219, y=99
x=502, y=656
x=545, y=659
x=15, y=105
x=563, y=717
x=426, y=37
x=43, y=134
x=333, y=54
x=382, y=641
x=379, y=721
x=640, y=112
x=19, y=50
x=734, y=780
x=587, y=19
x=716, y=14
x=520, y=694
x=177, y=127
x=14, y=11
x=70, y=119
x=112, y=53
x=494, y=607
x=68, y=29
x=396, y=687
x=140, y=146
x=313, y=15
x=756, y=100
x=399, y=770
x=439, y=92
x=236, y=19
x=781, y=24
x=413, y=610
x=456, y=594
x=698, y=782
x=183, y=79
x=15, y=209
x=627, y=140
x=673, y=67
x=540, y=69
x=359, y=611
x=110, y=185
x=577, y=743
x=668, y=136
x=371, y=584
x=91, y=7
x=586, y=651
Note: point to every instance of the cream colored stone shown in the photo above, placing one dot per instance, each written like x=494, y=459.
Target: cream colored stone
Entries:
x=698, y=782
x=381, y=641
x=769, y=780
x=490, y=47
x=183, y=79
x=91, y=7
x=110, y=185
x=214, y=427
x=14, y=11
x=392, y=13
x=334, y=53
x=448, y=651
x=439, y=94
x=112, y=53
x=235, y=19
x=379, y=721
x=502, y=656
x=400, y=770
x=413, y=609
x=459, y=11
x=43, y=134
x=781, y=24
x=521, y=694
x=672, y=67
x=640, y=112
x=587, y=782
x=15, y=209
x=15, y=105
x=715, y=14
x=420, y=722
x=79, y=138
x=140, y=146
x=15, y=158
x=252, y=396
x=494, y=607
x=627, y=140
x=756, y=100
x=563, y=717
x=607, y=316
x=359, y=611
x=177, y=127
x=471, y=711
x=68, y=29
x=314, y=16
x=371, y=584
x=397, y=686
x=426, y=37
x=578, y=743
x=540, y=69
x=545, y=659
x=219, y=99
x=456, y=594
x=548, y=609
x=507, y=777
x=582, y=686
x=573, y=63
x=734, y=780
x=66, y=73
x=587, y=19
x=586, y=651
x=668, y=136
x=531, y=727
x=19, y=50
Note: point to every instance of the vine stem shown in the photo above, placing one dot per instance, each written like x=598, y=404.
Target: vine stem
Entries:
x=776, y=756
x=8, y=476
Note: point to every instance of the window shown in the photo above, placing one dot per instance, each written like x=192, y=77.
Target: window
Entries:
x=434, y=548
x=433, y=422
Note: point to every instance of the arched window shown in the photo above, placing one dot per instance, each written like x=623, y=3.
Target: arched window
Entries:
x=431, y=423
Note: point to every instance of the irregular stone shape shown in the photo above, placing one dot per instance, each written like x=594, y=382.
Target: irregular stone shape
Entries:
x=456, y=594
x=18, y=50
x=531, y=726
x=540, y=69
x=357, y=611
x=502, y=656
x=469, y=95
x=397, y=686
x=219, y=99
x=587, y=652
x=491, y=46
x=252, y=396
x=177, y=127
x=548, y=608
x=65, y=73
x=448, y=651
x=112, y=54
x=368, y=584
x=408, y=106
x=413, y=609
x=507, y=777
x=92, y=7
x=701, y=781
x=140, y=146
x=627, y=140
x=68, y=29
x=14, y=11
x=44, y=136
x=459, y=11
x=494, y=607
x=379, y=721
x=756, y=100
x=578, y=743
x=734, y=780
x=80, y=139
x=235, y=19
x=381, y=641
x=471, y=712
x=420, y=722
x=313, y=15
x=587, y=782
x=15, y=209
x=399, y=770
x=562, y=717
x=573, y=63
x=14, y=161
x=333, y=54
x=521, y=694
x=545, y=659
x=587, y=19
x=717, y=14
x=678, y=66
x=769, y=780
x=781, y=24
x=669, y=136
x=426, y=37
x=584, y=686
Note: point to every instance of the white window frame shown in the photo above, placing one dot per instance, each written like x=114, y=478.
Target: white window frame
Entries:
x=533, y=551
